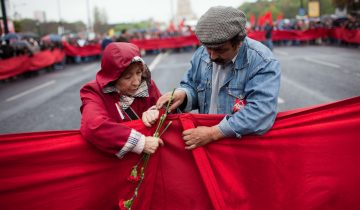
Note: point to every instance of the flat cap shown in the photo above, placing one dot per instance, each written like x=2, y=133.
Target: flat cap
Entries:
x=219, y=24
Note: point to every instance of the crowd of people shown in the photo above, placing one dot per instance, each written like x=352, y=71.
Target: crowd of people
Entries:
x=350, y=22
x=28, y=44
x=20, y=44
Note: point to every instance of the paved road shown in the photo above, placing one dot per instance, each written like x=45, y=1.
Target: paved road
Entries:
x=50, y=101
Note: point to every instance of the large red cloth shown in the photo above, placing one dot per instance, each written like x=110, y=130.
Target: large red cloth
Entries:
x=14, y=66
x=308, y=160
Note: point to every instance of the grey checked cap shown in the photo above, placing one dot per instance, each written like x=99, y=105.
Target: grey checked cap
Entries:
x=219, y=24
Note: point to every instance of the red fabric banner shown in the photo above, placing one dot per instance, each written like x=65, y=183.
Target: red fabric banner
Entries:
x=308, y=160
x=278, y=35
x=164, y=43
x=352, y=36
x=14, y=66
x=20, y=64
x=41, y=60
x=87, y=50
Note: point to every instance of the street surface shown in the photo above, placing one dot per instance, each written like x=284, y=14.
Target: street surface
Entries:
x=311, y=75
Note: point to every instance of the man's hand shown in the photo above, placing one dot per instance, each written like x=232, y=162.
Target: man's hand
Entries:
x=200, y=136
x=151, y=144
x=150, y=116
x=178, y=98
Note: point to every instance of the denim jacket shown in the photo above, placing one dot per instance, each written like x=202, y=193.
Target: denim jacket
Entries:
x=255, y=78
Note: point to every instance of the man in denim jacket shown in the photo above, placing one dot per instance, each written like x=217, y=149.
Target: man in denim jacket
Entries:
x=230, y=74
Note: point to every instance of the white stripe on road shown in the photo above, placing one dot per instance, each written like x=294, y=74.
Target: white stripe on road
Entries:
x=30, y=91
x=322, y=62
x=321, y=98
x=157, y=60
x=280, y=100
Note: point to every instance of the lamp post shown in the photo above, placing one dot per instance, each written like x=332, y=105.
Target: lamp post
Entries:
x=172, y=10
x=60, y=27
x=4, y=17
x=90, y=28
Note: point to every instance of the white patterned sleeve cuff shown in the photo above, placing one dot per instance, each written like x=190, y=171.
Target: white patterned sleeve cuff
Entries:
x=139, y=146
x=133, y=140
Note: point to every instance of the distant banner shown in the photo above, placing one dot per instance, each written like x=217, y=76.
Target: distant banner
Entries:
x=87, y=50
x=165, y=43
x=17, y=65
x=351, y=36
x=308, y=160
x=279, y=35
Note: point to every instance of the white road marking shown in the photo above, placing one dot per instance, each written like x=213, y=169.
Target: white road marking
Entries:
x=322, y=62
x=30, y=91
x=157, y=60
x=280, y=100
x=303, y=88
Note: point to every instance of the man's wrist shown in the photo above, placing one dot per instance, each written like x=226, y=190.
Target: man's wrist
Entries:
x=216, y=133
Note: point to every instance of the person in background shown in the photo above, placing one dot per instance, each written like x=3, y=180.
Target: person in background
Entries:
x=268, y=28
x=123, y=91
x=230, y=74
x=124, y=36
x=105, y=41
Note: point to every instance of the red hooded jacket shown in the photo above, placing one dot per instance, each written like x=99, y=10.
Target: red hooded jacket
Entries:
x=101, y=122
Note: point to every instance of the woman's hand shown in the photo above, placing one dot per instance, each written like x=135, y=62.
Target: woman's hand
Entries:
x=178, y=98
x=150, y=116
x=151, y=144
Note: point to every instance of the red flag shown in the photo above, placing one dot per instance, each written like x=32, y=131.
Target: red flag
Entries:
x=171, y=27
x=181, y=24
x=266, y=17
x=252, y=20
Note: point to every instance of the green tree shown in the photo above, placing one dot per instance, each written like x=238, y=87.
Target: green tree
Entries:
x=146, y=24
x=350, y=5
x=286, y=8
x=30, y=25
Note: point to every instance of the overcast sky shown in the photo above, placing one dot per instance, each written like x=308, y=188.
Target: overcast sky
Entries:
x=116, y=10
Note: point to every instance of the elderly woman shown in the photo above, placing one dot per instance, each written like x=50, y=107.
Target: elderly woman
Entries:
x=122, y=91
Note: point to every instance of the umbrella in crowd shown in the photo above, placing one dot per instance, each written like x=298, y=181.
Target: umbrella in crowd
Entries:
x=10, y=36
x=29, y=35
x=20, y=44
x=51, y=38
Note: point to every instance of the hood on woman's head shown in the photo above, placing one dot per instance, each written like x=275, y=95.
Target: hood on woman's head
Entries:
x=116, y=57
